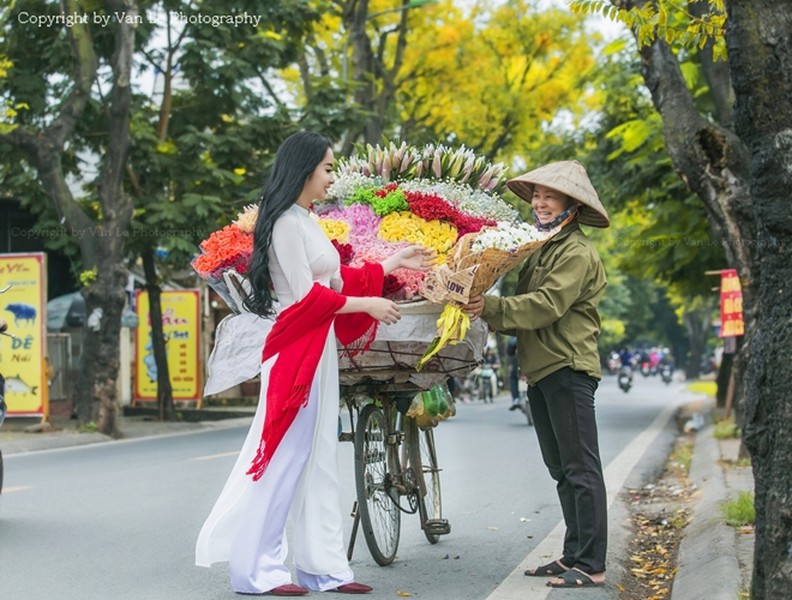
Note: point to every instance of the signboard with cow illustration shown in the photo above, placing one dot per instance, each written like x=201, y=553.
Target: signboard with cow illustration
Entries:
x=22, y=357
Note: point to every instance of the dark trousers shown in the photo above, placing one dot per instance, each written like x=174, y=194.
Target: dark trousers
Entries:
x=514, y=382
x=562, y=405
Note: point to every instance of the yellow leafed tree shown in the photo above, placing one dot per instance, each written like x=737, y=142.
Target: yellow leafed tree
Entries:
x=493, y=76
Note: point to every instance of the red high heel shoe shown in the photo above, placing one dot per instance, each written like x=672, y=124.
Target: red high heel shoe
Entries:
x=287, y=590
x=353, y=588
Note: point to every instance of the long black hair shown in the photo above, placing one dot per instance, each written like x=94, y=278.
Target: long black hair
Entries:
x=295, y=161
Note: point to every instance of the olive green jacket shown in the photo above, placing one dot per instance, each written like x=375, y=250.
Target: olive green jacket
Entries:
x=554, y=310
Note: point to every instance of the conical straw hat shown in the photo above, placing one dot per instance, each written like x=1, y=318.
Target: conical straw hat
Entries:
x=570, y=178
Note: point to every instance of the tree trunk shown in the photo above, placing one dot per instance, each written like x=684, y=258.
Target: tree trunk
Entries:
x=165, y=408
x=95, y=393
x=696, y=323
x=102, y=239
x=759, y=39
x=744, y=177
x=722, y=379
x=375, y=81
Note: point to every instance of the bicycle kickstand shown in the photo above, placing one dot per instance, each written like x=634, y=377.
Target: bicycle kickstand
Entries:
x=355, y=514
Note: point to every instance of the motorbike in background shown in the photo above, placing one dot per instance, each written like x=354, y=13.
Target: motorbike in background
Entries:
x=613, y=363
x=625, y=378
x=485, y=377
x=666, y=373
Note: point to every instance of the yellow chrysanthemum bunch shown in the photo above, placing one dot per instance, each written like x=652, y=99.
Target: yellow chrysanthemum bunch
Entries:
x=335, y=229
x=405, y=226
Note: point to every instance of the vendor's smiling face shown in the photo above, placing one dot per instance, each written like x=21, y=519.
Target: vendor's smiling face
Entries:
x=548, y=203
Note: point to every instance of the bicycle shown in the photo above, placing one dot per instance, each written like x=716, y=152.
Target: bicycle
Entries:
x=396, y=472
x=396, y=466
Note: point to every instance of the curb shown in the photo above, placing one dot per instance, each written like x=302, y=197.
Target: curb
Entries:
x=15, y=443
x=708, y=566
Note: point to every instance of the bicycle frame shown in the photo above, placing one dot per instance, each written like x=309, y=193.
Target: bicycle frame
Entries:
x=392, y=464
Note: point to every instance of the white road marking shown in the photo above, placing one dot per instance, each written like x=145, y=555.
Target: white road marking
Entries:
x=214, y=456
x=517, y=586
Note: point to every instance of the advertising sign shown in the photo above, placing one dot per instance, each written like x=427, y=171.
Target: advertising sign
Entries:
x=23, y=357
x=181, y=324
x=731, y=304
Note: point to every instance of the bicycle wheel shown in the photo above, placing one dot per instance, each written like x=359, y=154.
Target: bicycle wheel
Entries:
x=379, y=513
x=423, y=460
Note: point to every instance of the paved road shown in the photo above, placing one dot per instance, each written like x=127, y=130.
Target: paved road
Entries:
x=118, y=520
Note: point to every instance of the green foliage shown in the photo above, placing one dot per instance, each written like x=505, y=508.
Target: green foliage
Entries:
x=204, y=121
x=202, y=147
x=663, y=230
x=682, y=456
x=726, y=429
x=394, y=200
x=667, y=20
x=88, y=277
x=89, y=427
x=739, y=511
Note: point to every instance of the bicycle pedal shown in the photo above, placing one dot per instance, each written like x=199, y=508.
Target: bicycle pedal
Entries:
x=438, y=526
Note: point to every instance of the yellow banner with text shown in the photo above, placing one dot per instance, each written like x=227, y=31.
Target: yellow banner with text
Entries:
x=23, y=281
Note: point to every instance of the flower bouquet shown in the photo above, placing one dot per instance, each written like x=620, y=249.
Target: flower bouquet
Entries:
x=224, y=258
x=473, y=266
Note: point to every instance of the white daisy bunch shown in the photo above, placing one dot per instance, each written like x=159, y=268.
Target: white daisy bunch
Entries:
x=507, y=236
x=346, y=182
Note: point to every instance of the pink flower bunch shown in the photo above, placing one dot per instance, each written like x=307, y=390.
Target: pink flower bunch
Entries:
x=362, y=221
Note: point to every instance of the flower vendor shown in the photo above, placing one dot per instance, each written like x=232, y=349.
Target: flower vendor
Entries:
x=554, y=316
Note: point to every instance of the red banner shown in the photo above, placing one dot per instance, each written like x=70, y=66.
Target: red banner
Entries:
x=731, y=304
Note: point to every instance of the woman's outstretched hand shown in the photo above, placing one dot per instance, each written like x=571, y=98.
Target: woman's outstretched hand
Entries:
x=414, y=257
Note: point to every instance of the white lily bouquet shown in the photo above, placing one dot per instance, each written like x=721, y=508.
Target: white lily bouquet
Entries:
x=474, y=265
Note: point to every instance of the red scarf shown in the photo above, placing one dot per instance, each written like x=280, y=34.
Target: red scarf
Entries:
x=298, y=338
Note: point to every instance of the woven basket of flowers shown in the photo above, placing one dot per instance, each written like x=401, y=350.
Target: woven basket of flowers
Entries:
x=389, y=196
x=386, y=197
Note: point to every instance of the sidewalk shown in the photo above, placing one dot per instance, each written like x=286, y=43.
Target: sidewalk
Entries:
x=715, y=560
x=19, y=435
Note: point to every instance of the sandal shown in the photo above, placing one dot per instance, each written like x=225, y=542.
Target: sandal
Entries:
x=574, y=578
x=557, y=567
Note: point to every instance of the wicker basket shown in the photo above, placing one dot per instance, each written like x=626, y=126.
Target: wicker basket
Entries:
x=389, y=366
